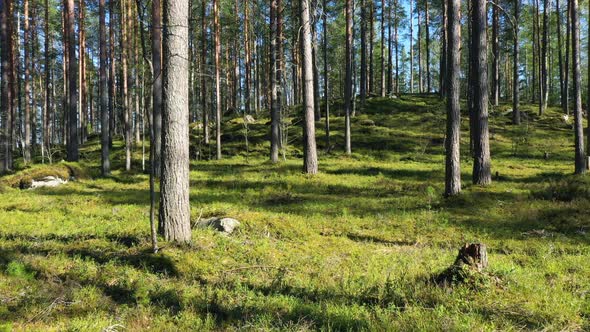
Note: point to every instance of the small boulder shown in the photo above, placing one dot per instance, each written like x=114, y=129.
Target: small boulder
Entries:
x=48, y=181
x=249, y=119
x=223, y=225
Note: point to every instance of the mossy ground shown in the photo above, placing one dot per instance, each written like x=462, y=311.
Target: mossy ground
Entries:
x=353, y=248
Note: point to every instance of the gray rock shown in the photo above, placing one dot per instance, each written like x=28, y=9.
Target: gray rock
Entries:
x=249, y=119
x=223, y=225
x=48, y=181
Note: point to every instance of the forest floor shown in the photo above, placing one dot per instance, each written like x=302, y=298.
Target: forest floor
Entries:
x=354, y=248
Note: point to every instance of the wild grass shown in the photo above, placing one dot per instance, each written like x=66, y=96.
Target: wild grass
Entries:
x=353, y=248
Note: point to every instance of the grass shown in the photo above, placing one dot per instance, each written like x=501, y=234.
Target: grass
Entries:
x=353, y=248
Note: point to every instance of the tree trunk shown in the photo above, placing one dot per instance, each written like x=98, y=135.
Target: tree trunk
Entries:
x=566, y=88
x=496, y=55
x=310, y=163
x=72, y=145
x=48, y=86
x=515, y=73
x=453, y=140
x=371, y=76
x=217, y=78
x=444, y=52
x=103, y=87
x=157, y=86
x=411, y=47
x=364, y=83
x=560, y=55
x=83, y=99
x=545, y=55
x=27, y=80
x=247, y=56
x=482, y=162
x=275, y=102
x=580, y=162
x=6, y=89
x=174, y=197
x=326, y=81
x=389, y=51
x=112, y=79
x=204, y=107
x=396, y=38
x=427, y=32
x=382, y=48
x=348, y=80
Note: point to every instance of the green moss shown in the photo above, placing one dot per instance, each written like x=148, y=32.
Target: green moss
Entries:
x=353, y=248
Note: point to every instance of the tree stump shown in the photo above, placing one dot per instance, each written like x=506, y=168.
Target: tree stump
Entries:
x=474, y=255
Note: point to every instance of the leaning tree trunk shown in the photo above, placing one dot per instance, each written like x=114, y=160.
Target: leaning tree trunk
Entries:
x=453, y=141
x=482, y=161
x=580, y=162
x=310, y=164
x=174, y=188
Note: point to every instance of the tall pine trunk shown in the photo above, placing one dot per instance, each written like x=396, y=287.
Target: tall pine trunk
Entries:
x=348, y=80
x=217, y=78
x=103, y=92
x=580, y=162
x=482, y=174
x=72, y=146
x=310, y=163
x=515, y=73
x=453, y=141
x=174, y=188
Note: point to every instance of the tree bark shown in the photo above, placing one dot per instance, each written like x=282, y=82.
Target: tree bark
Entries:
x=326, y=80
x=496, y=55
x=427, y=33
x=482, y=161
x=580, y=162
x=560, y=55
x=444, y=52
x=217, y=78
x=382, y=87
x=72, y=145
x=310, y=163
x=48, y=87
x=82, y=98
x=348, y=80
x=103, y=92
x=274, y=81
x=566, y=88
x=411, y=47
x=363, y=76
x=453, y=140
x=545, y=55
x=27, y=80
x=6, y=97
x=174, y=197
x=515, y=73
x=389, y=51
